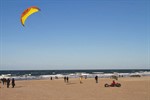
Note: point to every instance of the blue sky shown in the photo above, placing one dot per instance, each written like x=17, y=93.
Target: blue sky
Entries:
x=75, y=34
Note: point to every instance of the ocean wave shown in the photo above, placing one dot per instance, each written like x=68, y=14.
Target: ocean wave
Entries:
x=75, y=75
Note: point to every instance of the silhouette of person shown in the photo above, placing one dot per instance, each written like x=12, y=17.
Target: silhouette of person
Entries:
x=8, y=82
x=67, y=79
x=0, y=83
x=13, y=82
x=96, y=79
x=2, y=80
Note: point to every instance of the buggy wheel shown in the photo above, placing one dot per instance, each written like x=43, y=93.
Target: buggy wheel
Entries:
x=106, y=85
x=118, y=85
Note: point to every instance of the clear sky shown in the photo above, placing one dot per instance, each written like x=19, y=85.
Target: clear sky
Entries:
x=75, y=34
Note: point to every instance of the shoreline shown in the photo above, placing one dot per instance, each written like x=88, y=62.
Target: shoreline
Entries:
x=31, y=75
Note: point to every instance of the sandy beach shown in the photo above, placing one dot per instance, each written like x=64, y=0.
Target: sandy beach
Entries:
x=57, y=89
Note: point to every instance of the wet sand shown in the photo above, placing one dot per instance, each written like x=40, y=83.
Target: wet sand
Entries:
x=131, y=89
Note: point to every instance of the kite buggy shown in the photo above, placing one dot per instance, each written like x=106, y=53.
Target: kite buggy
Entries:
x=113, y=84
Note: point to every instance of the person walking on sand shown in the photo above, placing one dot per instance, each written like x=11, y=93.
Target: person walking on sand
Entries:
x=8, y=82
x=96, y=79
x=65, y=79
x=0, y=83
x=13, y=82
x=80, y=79
x=3, y=81
x=51, y=78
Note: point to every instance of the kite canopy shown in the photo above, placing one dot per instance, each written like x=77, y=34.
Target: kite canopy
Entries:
x=29, y=11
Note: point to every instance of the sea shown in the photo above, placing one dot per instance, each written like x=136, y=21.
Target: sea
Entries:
x=90, y=73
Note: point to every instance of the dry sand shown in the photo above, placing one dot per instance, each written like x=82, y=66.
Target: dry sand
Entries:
x=131, y=89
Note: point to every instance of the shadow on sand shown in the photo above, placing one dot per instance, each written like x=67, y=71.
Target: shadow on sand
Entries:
x=18, y=86
x=70, y=83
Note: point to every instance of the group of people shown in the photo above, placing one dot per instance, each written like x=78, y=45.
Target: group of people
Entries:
x=66, y=79
x=7, y=82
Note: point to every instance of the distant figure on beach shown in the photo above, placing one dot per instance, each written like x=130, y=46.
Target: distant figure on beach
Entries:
x=81, y=79
x=4, y=81
x=51, y=78
x=8, y=82
x=67, y=78
x=56, y=77
x=96, y=79
x=114, y=77
x=113, y=83
x=13, y=83
x=0, y=83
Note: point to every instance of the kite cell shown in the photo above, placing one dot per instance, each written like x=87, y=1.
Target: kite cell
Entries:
x=29, y=11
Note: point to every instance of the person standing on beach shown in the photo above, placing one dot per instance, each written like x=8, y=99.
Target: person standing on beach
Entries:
x=0, y=83
x=96, y=79
x=3, y=81
x=67, y=79
x=80, y=79
x=8, y=82
x=51, y=78
x=13, y=82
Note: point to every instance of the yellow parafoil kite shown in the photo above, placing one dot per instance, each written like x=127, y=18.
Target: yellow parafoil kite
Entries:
x=29, y=11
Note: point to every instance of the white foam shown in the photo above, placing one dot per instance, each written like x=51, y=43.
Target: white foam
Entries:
x=74, y=75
